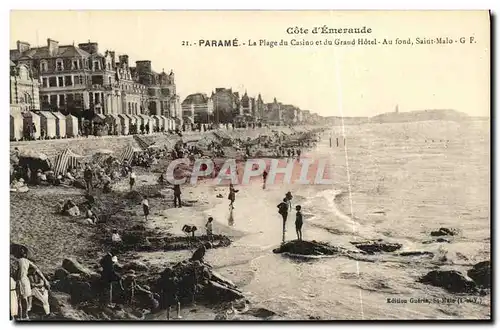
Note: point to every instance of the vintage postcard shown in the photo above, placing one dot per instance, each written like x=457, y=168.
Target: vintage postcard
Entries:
x=250, y=165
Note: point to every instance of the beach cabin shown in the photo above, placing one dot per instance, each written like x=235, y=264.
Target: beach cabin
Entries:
x=136, y=120
x=124, y=123
x=16, y=126
x=60, y=124
x=147, y=122
x=163, y=122
x=155, y=119
x=114, y=122
x=71, y=126
x=31, y=125
x=48, y=124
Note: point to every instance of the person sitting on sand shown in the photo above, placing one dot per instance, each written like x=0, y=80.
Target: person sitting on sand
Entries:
x=40, y=292
x=209, y=227
x=298, y=222
x=145, y=207
x=115, y=237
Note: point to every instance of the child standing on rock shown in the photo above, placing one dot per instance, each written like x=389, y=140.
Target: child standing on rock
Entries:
x=298, y=222
x=209, y=228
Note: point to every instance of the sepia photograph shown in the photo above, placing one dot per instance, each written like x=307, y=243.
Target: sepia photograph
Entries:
x=173, y=166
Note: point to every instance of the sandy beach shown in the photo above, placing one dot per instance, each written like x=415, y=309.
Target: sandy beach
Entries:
x=368, y=200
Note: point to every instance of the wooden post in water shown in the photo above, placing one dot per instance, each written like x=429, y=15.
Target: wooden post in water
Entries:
x=337, y=142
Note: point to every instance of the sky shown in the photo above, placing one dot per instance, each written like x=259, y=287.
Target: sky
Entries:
x=329, y=80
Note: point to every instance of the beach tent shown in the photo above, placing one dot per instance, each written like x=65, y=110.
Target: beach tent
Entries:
x=34, y=160
x=60, y=124
x=64, y=160
x=71, y=126
x=48, y=123
x=16, y=125
x=29, y=119
x=113, y=121
x=127, y=154
x=155, y=120
x=124, y=123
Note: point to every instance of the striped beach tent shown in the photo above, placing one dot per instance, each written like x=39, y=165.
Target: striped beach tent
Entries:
x=126, y=155
x=64, y=160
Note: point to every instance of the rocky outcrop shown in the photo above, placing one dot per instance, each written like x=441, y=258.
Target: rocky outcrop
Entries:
x=307, y=248
x=451, y=280
x=378, y=246
x=195, y=279
x=481, y=274
x=444, y=232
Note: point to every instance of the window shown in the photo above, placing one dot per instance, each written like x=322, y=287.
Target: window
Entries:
x=59, y=65
x=97, y=98
x=45, y=82
x=74, y=64
x=86, y=64
x=52, y=82
x=96, y=65
x=78, y=100
x=61, y=100
x=97, y=80
x=53, y=100
x=67, y=81
x=110, y=80
x=45, y=100
x=43, y=66
x=61, y=81
x=77, y=80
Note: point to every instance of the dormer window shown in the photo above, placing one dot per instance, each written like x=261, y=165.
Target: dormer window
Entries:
x=59, y=65
x=97, y=65
x=74, y=64
x=44, y=66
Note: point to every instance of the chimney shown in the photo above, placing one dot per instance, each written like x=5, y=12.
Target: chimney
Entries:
x=112, y=54
x=123, y=59
x=53, y=46
x=22, y=46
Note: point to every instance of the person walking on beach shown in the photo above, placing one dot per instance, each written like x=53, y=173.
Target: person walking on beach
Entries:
x=264, y=178
x=132, y=179
x=177, y=195
x=283, y=210
x=109, y=274
x=145, y=207
x=209, y=227
x=298, y=222
x=232, y=195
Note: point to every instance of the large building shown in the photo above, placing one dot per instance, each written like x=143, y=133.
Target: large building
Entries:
x=226, y=105
x=76, y=79
x=197, y=108
x=24, y=88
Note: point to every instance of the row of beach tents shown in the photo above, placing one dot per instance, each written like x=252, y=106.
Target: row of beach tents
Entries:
x=57, y=125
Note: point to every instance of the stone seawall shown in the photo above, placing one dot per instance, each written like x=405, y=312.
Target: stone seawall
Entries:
x=88, y=146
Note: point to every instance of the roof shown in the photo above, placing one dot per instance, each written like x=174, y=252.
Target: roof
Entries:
x=12, y=63
x=197, y=98
x=43, y=52
x=47, y=114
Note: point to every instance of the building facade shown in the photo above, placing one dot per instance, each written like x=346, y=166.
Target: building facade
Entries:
x=24, y=88
x=197, y=108
x=226, y=105
x=76, y=79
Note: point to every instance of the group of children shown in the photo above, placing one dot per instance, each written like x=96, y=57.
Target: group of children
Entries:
x=283, y=208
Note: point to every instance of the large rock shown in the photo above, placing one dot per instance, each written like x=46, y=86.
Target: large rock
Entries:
x=451, y=280
x=481, y=274
x=444, y=232
x=61, y=274
x=74, y=267
x=307, y=248
x=371, y=247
